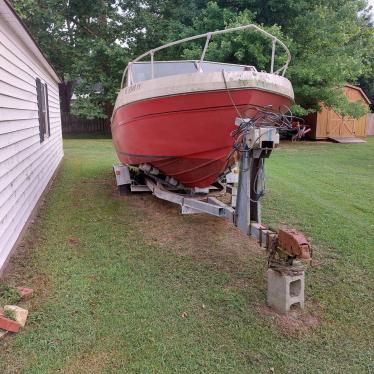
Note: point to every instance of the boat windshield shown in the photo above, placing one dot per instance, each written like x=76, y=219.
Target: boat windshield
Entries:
x=139, y=70
x=217, y=66
x=142, y=71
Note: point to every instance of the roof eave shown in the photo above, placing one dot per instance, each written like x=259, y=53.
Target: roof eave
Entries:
x=361, y=91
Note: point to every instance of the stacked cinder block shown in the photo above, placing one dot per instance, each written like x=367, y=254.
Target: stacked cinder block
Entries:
x=285, y=290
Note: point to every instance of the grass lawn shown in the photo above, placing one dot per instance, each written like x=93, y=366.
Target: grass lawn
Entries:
x=128, y=285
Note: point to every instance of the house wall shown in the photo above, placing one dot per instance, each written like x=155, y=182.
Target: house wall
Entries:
x=26, y=164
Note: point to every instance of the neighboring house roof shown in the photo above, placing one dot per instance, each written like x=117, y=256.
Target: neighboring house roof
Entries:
x=361, y=91
x=11, y=16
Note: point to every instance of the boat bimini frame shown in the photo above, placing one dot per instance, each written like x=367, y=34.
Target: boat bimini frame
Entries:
x=208, y=37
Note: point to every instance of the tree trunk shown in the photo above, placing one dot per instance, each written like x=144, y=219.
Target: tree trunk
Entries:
x=66, y=91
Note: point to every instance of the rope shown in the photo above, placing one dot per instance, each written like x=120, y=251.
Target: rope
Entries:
x=229, y=93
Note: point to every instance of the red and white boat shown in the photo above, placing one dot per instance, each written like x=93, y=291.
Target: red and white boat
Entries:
x=178, y=116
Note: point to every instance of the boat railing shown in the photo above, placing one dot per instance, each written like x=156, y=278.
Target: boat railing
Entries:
x=208, y=36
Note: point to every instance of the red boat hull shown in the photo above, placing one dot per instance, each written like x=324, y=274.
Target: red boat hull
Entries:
x=187, y=137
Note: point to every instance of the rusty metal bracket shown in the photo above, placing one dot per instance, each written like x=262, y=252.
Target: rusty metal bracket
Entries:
x=286, y=246
x=294, y=244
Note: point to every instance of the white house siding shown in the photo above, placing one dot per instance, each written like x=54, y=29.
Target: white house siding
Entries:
x=26, y=164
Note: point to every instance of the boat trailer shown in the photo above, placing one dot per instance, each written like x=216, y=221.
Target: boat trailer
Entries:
x=287, y=250
x=244, y=184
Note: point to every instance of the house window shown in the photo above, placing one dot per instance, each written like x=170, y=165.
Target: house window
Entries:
x=43, y=109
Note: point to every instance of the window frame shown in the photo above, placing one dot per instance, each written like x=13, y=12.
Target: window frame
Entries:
x=43, y=109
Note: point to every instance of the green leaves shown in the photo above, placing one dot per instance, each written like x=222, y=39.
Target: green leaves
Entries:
x=331, y=42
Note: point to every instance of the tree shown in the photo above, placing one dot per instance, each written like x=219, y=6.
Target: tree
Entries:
x=331, y=42
x=88, y=43
x=366, y=81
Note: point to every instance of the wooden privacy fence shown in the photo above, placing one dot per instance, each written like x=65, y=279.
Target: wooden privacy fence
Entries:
x=370, y=129
x=75, y=125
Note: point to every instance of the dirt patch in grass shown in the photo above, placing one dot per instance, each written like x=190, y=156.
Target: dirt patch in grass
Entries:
x=90, y=363
x=297, y=321
x=73, y=240
x=21, y=256
x=215, y=241
x=200, y=236
x=23, y=271
x=241, y=283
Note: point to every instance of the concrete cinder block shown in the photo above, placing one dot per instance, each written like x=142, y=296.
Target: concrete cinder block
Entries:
x=255, y=229
x=264, y=238
x=285, y=290
x=20, y=314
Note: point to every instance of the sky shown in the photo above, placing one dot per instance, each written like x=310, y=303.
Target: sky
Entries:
x=371, y=2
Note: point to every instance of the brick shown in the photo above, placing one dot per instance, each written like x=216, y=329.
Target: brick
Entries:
x=25, y=293
x=19, y=313
x=9, y=325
